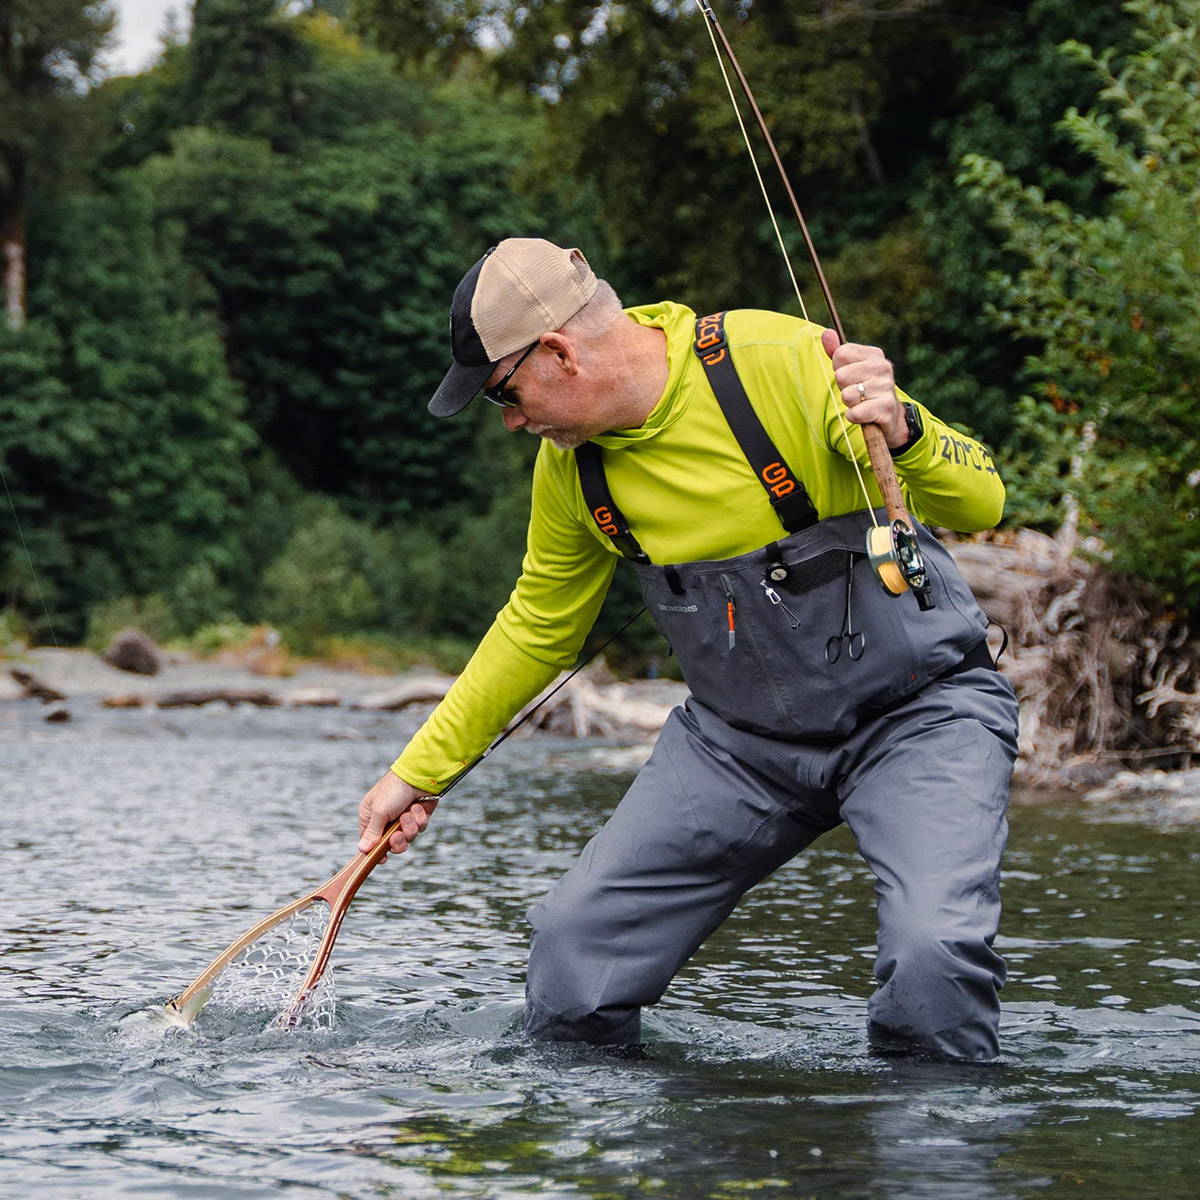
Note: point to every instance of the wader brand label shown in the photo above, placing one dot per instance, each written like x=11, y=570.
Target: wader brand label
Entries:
x=677, y=607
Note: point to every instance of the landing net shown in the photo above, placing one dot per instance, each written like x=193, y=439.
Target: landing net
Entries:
x=267, y=974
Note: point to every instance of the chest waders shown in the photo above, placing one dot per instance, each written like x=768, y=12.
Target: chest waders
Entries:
x=758, y=636
x=803, y=715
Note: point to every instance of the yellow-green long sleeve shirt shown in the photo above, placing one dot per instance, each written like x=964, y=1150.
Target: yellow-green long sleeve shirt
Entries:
x=689, y=495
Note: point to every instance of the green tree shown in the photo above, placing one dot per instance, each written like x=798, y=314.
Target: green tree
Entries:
x=319, y=585
x=333, y=264
x=1010, y=85
x=418, y=33
x=1111, y=301
x=48, y=51
x=120, y=431
x=248, y=67
x=333, y=274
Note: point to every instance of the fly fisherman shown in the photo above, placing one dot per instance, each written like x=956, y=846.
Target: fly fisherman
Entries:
x=816, y=697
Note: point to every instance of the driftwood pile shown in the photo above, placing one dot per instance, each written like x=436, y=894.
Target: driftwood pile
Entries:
x=1106, y=677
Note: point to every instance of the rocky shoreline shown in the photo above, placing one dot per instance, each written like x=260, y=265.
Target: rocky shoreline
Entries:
x=591, y=705
x=1173, y=792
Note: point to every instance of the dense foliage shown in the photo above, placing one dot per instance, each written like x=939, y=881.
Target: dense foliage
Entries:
x=1111, y=303
x=121, y=433
x=240, y=263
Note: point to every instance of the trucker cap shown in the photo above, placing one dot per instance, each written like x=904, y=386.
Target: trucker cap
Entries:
x=517, y=291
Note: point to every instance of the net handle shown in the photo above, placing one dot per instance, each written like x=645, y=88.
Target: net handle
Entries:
x=336, y=891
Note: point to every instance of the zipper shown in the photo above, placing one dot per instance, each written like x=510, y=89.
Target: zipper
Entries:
x=756, y=653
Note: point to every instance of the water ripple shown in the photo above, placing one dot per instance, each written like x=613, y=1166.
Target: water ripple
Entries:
x=755, y=1076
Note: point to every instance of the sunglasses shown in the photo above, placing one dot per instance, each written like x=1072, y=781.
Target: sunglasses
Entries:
x=496, y=393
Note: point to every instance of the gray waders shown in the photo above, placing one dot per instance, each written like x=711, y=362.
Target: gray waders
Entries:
x=816, y=698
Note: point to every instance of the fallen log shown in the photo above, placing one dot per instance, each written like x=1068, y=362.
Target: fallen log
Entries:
x=313, y=698
x=421, y=690
x=197, y=697
x=34, y=688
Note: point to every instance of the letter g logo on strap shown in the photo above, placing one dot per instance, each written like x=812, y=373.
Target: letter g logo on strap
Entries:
x=604, y=519
x=778, y=479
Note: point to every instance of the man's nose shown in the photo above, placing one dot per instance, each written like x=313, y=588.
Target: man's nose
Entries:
x=514, y=418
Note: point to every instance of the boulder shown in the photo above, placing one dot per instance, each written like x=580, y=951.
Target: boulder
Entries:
x=131, y=650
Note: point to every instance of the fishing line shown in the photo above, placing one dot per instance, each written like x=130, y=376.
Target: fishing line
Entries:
x=737, y=112
x=29, y=557
x=787, y=259
x=608, y=641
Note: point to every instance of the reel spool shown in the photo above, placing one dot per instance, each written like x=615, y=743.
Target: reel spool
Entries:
x=896, y=560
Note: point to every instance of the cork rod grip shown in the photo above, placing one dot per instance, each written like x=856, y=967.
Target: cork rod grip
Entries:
x=885, y=474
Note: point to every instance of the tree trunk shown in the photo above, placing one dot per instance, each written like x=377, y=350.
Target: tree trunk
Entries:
x=13, y=240
x=874, y=162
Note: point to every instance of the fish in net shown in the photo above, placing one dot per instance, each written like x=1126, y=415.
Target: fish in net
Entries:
x=280, y=963
x=268, y=974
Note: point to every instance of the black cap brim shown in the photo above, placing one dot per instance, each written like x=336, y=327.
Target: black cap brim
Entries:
x=460, y=386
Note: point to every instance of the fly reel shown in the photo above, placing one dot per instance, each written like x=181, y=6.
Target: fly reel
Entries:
x=896, y=560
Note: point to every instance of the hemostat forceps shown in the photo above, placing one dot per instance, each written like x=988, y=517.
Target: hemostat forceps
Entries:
x=856, y=643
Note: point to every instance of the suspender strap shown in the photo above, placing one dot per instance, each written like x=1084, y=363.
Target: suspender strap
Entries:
x=600, y=503
x=786, y=493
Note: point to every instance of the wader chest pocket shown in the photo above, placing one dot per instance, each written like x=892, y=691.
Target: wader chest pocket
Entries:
x=764, y=664
x=760, y=661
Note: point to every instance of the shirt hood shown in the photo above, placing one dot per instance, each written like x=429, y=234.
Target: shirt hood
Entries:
x=678, y=322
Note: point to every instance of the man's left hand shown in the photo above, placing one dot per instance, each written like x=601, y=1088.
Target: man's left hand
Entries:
x=868, y=385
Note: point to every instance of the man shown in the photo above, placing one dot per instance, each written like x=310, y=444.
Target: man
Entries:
x=816, y=697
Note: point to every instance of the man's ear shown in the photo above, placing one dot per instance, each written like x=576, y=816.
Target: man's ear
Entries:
x=564, y=350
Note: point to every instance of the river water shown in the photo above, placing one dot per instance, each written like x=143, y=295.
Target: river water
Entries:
x=136, y=844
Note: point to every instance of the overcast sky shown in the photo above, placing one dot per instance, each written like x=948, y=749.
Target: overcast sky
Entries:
x=139, y=28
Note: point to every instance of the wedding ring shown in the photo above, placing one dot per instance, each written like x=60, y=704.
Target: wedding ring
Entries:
x=862, y=393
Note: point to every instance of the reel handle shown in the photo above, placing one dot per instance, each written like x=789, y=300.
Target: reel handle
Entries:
x=893, y=551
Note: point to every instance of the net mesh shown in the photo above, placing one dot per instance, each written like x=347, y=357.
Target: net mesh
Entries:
x=267, y=974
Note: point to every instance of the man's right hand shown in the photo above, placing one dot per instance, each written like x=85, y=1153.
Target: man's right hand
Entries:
x=390, y=798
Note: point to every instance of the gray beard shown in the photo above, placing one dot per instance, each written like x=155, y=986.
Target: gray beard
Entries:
x=563, y=441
